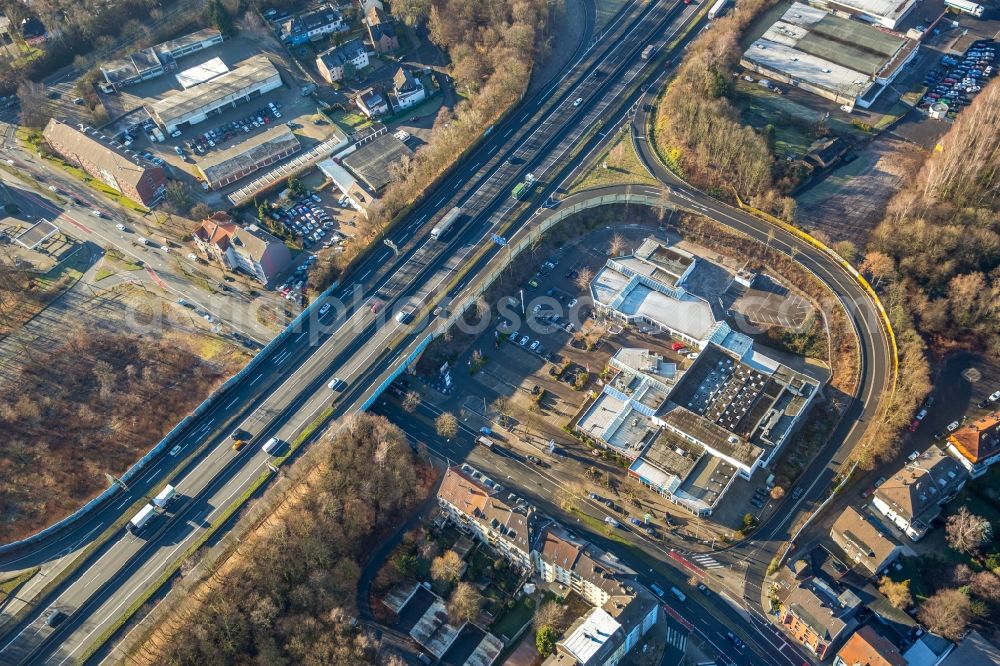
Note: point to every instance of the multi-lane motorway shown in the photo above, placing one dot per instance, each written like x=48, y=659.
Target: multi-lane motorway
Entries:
x=350, y=342
x=360, y=342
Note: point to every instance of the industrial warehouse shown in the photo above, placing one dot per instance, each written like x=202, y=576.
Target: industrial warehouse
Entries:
x=193, y=105
x=156, y=60
x=845, y=61
x=248, y=156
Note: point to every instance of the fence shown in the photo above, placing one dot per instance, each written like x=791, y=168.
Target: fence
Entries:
x=169, y=438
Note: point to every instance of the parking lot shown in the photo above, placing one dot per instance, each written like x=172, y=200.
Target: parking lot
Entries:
x=957, y=80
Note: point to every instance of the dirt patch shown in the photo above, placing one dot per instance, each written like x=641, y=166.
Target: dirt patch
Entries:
x=851, y=200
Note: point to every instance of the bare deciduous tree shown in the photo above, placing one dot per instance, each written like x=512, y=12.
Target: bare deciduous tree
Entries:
x=967, y=532
x=446, y=425
x=411, y=401
x=946, y=613
x=583, y=278
x=616, y=247
x=447, y=567
x=464, y=604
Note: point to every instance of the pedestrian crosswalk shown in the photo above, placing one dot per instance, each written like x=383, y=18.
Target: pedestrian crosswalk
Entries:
x=677, y=638
x=706, y=561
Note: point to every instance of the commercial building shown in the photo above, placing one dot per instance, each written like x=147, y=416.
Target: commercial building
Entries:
x=249, y=249
x=688, y=433
x=845, y=61
x=331, y=63
x=246, y=157
x=251, y=79
x=373, y=162
x=866, y=647
x=912, y=497
x=977, y=445
x=154, y=61
x=478, y=510
x=114, y=165
x=198, y=74
x=313, y=26
x=818, y=617
x=864, y=542
x=407, y=90
x=886, y=13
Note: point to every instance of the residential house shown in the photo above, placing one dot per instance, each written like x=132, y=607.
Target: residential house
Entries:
x=366, y=6
x=407, y=90
x=977, y=445
x=112, y=164
x=560, y=557
x=372, y=102
x=607, y=633
x=381, y=31
x=476, y=508
x=817, y=617
x=331, y=63
x=864, y=542
x=824, y=153
x=313, y=26
x=249, y=249
x=912, y=497
x=866, y=647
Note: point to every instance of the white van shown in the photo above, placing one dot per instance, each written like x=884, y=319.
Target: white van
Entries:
x=336, y=384
x=272, y=445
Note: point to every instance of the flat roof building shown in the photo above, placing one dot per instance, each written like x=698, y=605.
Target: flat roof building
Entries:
x=116, y=166
x=845, y=61
x=886, y=13
x=252, y=78
x=372, y=163
x=198, y=74
x=246, y=157
x=151, y=62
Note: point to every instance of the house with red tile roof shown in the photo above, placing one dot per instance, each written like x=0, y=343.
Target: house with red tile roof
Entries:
x=977, y=445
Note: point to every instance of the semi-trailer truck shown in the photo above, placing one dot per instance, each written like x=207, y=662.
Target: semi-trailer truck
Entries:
x=441, y=228
x=163, y=499
x=717, y=8
x=141, y=519
x=966, y=7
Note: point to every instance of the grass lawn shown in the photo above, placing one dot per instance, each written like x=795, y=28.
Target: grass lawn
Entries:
x=10, y=585
x=514, y=618
x=619, y=165
x=351, y=121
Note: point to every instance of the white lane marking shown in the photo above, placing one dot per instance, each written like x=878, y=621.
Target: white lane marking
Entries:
x=256, y=379
x=509, y=132
x=232, y=402
x=301, y=335
x=493, y=149
x=280, y=358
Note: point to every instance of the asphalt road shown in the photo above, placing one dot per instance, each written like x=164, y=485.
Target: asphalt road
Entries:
x=875, y=358
x=289, y=390
x=711, y=615
x=280, y=402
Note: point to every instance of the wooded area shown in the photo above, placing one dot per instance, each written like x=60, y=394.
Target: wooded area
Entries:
x=93, y=404
x=941, y=235
x=698, y=129
x=492, y=45
x=287, y=595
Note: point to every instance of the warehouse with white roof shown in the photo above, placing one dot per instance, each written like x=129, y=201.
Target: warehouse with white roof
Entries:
x=251, y=79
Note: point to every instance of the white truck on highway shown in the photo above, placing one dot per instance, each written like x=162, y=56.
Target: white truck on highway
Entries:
x=164, y=497
x=441, y=228
x=141, y=519
x=717, y=8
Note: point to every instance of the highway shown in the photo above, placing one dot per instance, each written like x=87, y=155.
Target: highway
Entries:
x=350, y=342
x=361, y=347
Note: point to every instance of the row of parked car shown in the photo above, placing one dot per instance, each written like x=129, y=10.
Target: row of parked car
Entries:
x=222, y=134
x=960, y=79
